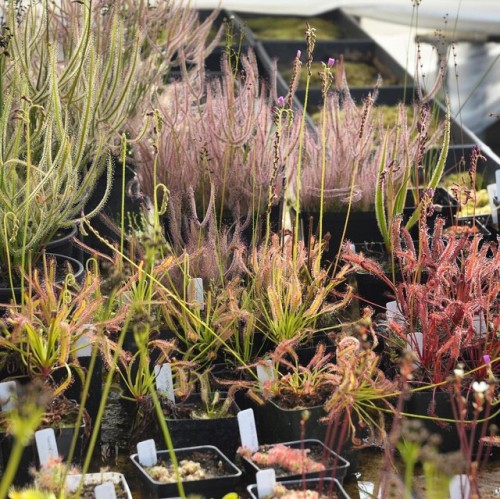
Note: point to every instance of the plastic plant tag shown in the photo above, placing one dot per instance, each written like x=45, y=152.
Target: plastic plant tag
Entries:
x=415, y=342
x=72, y=482
x=493, y=195
x=164, y=381
x=497, y=182
x=365, y=489
x=248, y=430
x=146, y=451
x=46, y=445
x=84, y=346
x=195, y=292
x=266, y=482
x=459, y=487
x=265, y=371
x=479, y=324
x=7, y=394
x=105, y=491
x=393, y=313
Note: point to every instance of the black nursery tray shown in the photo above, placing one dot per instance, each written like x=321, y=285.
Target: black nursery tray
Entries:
x=336, y=466
x=218, y=486
x=342, y=25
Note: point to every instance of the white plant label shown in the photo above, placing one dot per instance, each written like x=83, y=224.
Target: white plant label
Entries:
x=165, y=381
x=497, y=181
x=84, y=346
x=479, y=324
x=46, y=445
x=365, y=489
x=7, y=394
x=265, y=372
x=146, y=451
x=195, y=292
x=459, y=487
x=415, y=342
x=492, y=194
x=266, y=482
x=393, y=313
x=72, y=482
x=105, y=491
x=248, y=430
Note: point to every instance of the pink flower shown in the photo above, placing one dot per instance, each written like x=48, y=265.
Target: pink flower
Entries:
x=331, y=62
x=299, y=53
x=280, y=101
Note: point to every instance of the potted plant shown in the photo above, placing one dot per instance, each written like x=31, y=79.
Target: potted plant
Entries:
x=57, y=478
x=297, y=460
x=447, y=284
x=196, y=470
x=341, y=402
x=290, y=291
x=237, y=174
x=324, y=487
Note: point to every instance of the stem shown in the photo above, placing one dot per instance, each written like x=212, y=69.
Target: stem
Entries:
x=11, y=468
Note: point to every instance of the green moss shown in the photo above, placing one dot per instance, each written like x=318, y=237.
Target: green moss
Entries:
x=292, y=28
x=358, y=74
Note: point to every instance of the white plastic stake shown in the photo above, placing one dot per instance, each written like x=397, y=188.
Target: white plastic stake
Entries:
x=164, y=381
x=480, y=325
x=195, y=292
x=46, y=445
x=248, y=430
x=460, y=486
x=415, y=342
x=146, y=451
x=497, y=181
x=105, y=491
x=84, y=346
x=365, y=489
x=265, y=371
x=7, y=395
x=393, y=313
x=492, y=193
x=266, y=482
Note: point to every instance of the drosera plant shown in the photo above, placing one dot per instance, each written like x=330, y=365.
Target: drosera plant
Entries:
x=293, y=385
x=291, y=291
x=42, y=186
x=43, y=334
x=242, y=142
x=447, y=285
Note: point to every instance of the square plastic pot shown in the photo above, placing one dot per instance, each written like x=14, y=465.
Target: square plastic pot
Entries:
x=218, y=486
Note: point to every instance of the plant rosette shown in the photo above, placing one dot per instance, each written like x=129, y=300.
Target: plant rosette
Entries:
x=307, y=458
x=200, y=469
x=313, y=488
x=93, y=480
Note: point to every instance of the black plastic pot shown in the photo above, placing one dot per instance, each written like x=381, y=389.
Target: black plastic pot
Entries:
x=335, y=465
x=63, y=244
x=217, y=486
x=439, y=404
x=361, y=227
x=7, y=294
x=320, y=485
x=276, y=424
x=29, y=458
x=222, y=433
